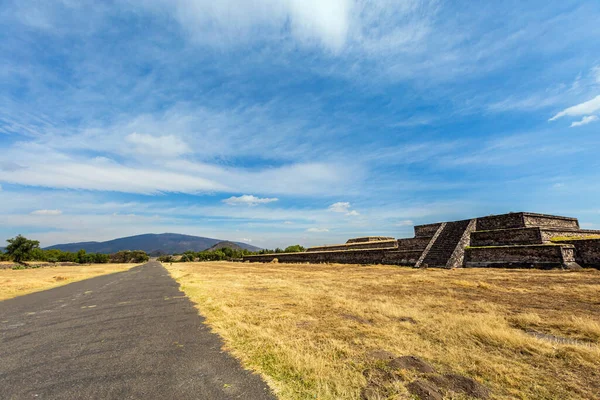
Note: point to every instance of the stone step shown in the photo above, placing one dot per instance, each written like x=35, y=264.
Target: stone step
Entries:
x=443, y=248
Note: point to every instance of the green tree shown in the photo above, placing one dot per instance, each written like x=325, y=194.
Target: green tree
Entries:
x=20, y=248
x=81, y=257
x=294, y=249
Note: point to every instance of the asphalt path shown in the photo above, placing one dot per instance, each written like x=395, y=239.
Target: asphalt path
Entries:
x=129, y=335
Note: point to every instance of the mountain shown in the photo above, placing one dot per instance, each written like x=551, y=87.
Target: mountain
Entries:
x=165, y=243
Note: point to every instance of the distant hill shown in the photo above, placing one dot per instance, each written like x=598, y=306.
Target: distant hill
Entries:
x=231, y=245
x=165, y=243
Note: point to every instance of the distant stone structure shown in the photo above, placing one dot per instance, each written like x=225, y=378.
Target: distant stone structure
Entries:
x=514, y=240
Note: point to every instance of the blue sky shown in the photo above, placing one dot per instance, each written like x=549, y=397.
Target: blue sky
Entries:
x=293, y=121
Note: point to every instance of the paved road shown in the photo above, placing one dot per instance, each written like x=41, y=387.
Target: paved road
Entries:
x=129, y=335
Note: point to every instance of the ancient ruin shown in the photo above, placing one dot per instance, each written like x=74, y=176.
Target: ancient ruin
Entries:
x=514, y=240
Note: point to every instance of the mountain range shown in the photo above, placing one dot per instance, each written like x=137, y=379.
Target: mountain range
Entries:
x=153, y=244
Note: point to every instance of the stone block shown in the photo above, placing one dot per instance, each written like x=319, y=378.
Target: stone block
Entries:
x=587, y=251
x=544, y=256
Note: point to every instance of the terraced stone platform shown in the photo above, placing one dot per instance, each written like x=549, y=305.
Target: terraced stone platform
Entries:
x=513, y=240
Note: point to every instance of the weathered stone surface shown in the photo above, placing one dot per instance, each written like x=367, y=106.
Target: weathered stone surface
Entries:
x=523, y=220
x=411, y=363
x=536, y=256
x=367, y=239
x=525, y=236
x=381, y=244
x=424, y=390
x=426, y=230
x=366, y=256
x=446, y=243
x=416, y=243
x=587, y=252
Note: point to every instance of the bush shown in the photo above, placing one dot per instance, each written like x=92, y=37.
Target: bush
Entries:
x=128, y=256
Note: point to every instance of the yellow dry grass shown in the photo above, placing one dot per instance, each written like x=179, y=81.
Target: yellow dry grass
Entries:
x=308, y=328
x=19, y=282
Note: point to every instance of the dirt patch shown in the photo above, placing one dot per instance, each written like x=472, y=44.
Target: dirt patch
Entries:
x=407, y=319
x=379, y=384
x=304, y=324
x=411, y=363
x=424, y=390
x=460, y=384
x=60, y=278
x=258, y=289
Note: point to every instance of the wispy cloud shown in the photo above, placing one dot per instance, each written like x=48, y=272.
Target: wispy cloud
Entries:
x=248, y=200
x=157, y=145
x=340, y=207
x=46, y=212
x=585, y=120
x=585, y=108
x=317, y=230
x=406, y=222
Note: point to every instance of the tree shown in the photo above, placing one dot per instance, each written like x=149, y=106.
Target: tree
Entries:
x=294, y=249
x=81, y=257
x=20, y=248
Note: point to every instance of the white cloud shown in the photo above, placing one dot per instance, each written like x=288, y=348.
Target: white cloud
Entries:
x=157, y=145
x=288, y=223
x=248, y=200
x=45, y=167
x=245, y=240
x=46, y=212
x=227, y=22
x=585, y=120
x=585, y=108
x=340, y=207
x=317, y=230
x=343, y=207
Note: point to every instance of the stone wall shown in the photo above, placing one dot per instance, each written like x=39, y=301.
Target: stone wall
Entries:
x=356, y=246
x=402, y=257
x=523, y=220
x=426, y=230
x=367, y=256
x=503, y=221
x=587, y=251
x=548, y=234
x=550, y=221
x=536, y=256
x=367, y=239
x=417, y=243
x=501, y=237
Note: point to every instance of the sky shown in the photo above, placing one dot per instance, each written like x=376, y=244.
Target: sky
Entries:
x=278, y=122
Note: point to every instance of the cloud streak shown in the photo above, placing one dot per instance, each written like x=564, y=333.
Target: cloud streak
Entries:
x=585, y=108
x=585, y=120
x=248, y=200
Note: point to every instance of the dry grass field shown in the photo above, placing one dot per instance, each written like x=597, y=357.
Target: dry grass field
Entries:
x=315, y=331
x=16, y=283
